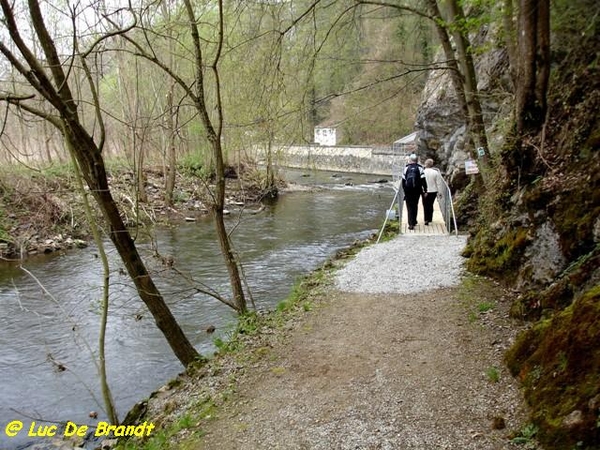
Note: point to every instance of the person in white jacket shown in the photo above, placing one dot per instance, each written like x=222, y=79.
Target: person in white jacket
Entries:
x=435, y=185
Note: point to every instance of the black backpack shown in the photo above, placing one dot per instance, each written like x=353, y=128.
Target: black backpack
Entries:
x=412, y=177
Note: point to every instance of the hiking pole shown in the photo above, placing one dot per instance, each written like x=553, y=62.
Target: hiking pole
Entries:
x=386, y=215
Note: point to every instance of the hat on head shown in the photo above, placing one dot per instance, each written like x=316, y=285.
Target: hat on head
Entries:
x=413, y=157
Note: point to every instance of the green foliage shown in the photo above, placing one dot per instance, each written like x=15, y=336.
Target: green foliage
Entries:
x=493, y=374
x=61, y=171
x=162, y=439
x=296, y=295
x=184, y=422
x=248, y=324
x=196, y=164
x=485, y=307
x=526, y=436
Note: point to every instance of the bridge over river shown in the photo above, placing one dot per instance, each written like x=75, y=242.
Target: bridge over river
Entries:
x=376, y=160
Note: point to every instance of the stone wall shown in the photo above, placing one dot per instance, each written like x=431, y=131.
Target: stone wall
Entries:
x=354, y=159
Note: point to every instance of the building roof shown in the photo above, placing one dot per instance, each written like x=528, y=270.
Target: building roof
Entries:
x=408, y=139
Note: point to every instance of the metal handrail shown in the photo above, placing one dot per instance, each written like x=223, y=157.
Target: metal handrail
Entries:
x=449, y=194
x=399, y=194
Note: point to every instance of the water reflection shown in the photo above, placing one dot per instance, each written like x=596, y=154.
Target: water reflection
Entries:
x=42, y=329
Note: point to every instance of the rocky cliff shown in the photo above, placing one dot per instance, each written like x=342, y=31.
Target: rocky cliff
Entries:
x=440, y=121
x=539, y=232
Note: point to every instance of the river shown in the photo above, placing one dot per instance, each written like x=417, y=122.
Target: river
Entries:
x=53, y=319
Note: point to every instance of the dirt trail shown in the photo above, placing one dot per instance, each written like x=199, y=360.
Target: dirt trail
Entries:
x=380, y=372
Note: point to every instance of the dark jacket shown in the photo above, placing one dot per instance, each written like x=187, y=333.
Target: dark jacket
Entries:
x=421, y=181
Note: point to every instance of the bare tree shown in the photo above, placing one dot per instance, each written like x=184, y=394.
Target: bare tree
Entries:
x=196, y=90
x=49, y=78
x=213, y=134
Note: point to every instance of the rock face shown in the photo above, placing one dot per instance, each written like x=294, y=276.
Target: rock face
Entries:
x=440, y=123
x=544, y=258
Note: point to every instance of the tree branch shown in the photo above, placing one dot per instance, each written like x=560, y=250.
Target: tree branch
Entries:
x=395, y=6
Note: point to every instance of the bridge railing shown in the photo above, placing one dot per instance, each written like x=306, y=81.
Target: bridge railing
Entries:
x=447, y=209
x=445, y=201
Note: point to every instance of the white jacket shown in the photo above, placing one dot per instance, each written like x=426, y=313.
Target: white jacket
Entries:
x=435, y=183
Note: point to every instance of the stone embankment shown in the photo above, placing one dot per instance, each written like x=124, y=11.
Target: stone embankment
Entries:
x=352, y=159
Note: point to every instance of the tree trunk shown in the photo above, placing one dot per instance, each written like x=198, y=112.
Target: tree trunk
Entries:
x=142, y=196
x=270, y=188
x=109, y=403
x=47, y=139
x=455, y=73
x=93, y=170
x=534, y=67
x=171, y=155
x=532, y=82
x=235, y=279
x=465, y=59
x=214, y=138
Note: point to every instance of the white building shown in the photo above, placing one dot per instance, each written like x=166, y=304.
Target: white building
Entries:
x=325, y=136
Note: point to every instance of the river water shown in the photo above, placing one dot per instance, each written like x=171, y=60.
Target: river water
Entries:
x=53, y=319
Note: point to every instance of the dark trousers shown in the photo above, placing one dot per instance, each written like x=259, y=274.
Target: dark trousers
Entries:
x=428, y=201
x=412, y=206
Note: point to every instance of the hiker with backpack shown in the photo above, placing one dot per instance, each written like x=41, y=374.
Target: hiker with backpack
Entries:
x=435, y=186
x=414, y=185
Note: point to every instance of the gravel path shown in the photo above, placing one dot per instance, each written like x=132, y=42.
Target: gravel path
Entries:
x=391, y=357
x=407, y=264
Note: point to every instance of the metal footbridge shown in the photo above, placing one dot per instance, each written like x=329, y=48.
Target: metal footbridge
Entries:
x=444, y=220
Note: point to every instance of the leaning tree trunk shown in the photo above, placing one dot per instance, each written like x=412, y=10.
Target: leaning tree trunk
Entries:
x=52, y=83
x=235, y=279
x=213, y=135
x=93, y=170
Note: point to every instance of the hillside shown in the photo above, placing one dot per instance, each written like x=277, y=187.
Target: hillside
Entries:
x=538, y=230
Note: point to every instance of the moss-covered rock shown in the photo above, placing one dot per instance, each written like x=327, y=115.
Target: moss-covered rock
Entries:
x=558, y=362
x=544, y=242
x=497, y=253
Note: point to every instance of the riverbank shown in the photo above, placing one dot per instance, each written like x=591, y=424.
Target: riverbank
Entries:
x=333, y=369
x=42, y=211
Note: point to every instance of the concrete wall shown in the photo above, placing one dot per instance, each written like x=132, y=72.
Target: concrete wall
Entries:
x=355, y=159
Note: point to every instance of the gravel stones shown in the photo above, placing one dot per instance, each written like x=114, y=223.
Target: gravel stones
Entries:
x=407, y=264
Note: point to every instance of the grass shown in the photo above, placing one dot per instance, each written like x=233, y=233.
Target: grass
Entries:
x=478, y=295
x=485, y=306
x=493, y=374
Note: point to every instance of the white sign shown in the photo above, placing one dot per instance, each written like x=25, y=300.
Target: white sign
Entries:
x=471, y=167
